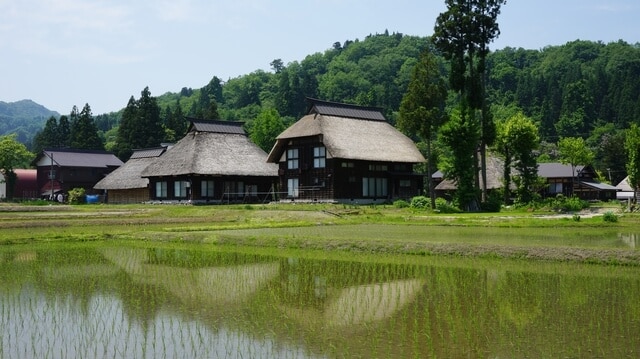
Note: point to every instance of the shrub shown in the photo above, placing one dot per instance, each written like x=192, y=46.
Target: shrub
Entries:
x=443, y=206
x=77, y=196
x=401, y=203
x=610, y=217
x=576, y=217
x=494, y=202
x=421, y=202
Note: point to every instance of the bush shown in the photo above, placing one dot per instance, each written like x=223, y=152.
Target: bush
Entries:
x=610, y=217
x=443, y=206
x=567, y=204
x=77, y=196
x=420, y=202
x=494, y=202
x=401, y=203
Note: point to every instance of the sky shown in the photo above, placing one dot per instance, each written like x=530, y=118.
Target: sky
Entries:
x=61, y=53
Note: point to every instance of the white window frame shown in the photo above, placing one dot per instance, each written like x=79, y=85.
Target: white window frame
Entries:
x=293, y=189
x=319, y=157
x=293, y=158
x=161, y=189
x=375, y=187
x=207, y=188
x=180, y=189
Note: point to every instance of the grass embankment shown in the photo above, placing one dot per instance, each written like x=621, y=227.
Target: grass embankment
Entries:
x=375, y=229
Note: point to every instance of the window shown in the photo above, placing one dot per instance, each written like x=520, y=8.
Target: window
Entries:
x=347, y=165
x=161, y=189
x=377, y=168
x=293, y=158
x=319, y=157
x=405, y=183
x=374, y=187
x=206, y=189
x=555, y=187
x=292, y=187
x=180, y=188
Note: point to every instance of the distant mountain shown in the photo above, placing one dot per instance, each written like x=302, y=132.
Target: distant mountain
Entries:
x=24, y=118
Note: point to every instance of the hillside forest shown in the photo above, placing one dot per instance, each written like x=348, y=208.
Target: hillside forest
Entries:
x=580, y=89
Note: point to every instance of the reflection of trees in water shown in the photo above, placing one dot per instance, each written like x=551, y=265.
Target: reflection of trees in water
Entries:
x=630, y=239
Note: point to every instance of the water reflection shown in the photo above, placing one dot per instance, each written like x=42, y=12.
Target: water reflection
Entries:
x=159, y=302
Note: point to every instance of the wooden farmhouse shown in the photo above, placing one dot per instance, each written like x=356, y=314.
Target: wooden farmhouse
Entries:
x=125, y=184
x=345, y=153
x=580, y=181
x=214, y=163
x=61, y=170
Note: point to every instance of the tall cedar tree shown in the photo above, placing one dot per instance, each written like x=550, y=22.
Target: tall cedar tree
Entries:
x=175, y=123
x=84, y=132
x=47, y=137
x=140, y=126
x=632, y=146
x=463, y=34
x=422, y=107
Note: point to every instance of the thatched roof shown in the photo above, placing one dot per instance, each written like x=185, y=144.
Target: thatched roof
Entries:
x=351, y=132
x=128, y=176
x=495, y=176
x=215, y=148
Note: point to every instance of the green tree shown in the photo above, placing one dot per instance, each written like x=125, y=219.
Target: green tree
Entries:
x=265, y=128
x=517, y=139
x=13, y=155
x=175, y=123
x=64, y=132
x=463, y=34
x=47, y=137
x=632, y=146
x=84, y=133
x=422, y=108
x=460, y=136
x=574, y=151
x=140, y=126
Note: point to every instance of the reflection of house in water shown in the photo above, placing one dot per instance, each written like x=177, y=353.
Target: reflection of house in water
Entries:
x=630, y=239
x=343, y=293
x=214, y=285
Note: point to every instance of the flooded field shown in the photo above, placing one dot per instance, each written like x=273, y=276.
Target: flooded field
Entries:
x=167, y=301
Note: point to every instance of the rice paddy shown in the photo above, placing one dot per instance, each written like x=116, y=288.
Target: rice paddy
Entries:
x=166, y=285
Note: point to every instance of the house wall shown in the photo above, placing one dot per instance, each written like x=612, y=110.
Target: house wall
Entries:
x=72, y=177
x=210, y=189
x=128, y=196
x=343, y=180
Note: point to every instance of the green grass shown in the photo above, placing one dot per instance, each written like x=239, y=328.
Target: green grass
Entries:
x=374, y=229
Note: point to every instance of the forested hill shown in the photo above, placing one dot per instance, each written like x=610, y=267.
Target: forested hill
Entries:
x=581, y=88
x=23, y=118
x=569, y=90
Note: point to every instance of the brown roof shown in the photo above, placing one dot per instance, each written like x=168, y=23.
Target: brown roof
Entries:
x=81, y=158
x=212, y=153
x=557, y=170
x=345, y=110
x=128, y=176
x=216, y=126
x=351, y=132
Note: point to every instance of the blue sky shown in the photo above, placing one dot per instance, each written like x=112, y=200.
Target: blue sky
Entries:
x=61, y=53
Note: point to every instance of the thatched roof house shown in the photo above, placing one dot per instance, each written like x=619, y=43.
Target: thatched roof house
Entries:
x=346, y=153
x=214, y=162
x=350, y=132
x=495, y=177
x=125, y=184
